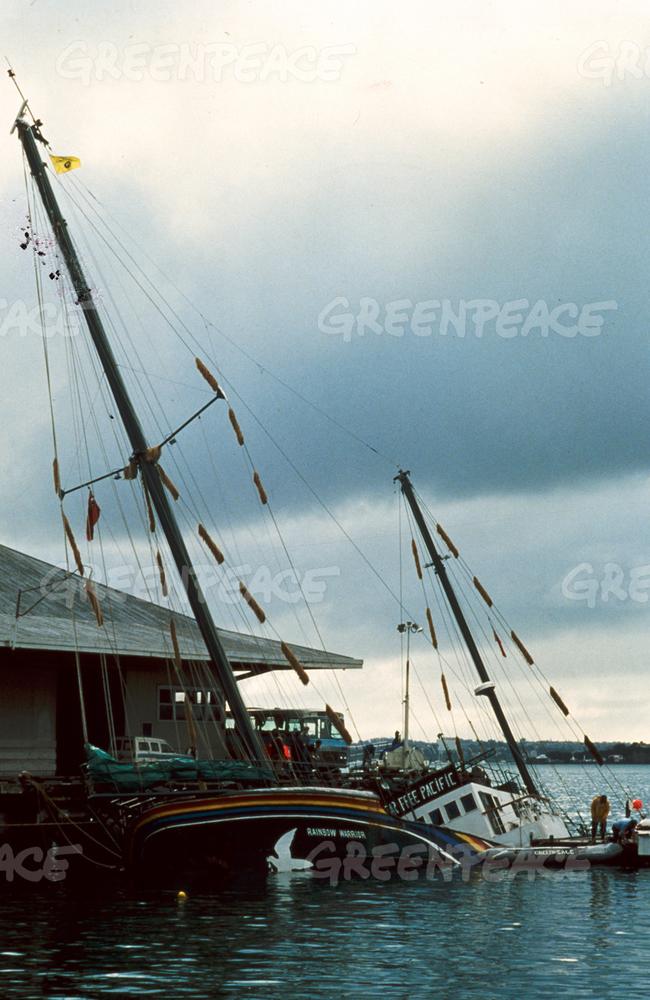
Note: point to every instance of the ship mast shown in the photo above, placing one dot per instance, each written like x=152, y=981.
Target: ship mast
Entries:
x=251, y=745
x=487, y=686
x=407, y=627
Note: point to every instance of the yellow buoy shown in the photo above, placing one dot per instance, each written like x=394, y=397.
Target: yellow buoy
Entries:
x=181, y=894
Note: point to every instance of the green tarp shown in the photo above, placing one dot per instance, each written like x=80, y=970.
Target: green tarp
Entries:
x=104, y=769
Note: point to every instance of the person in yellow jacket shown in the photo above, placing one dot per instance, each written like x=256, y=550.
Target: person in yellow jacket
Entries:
x=599, y=814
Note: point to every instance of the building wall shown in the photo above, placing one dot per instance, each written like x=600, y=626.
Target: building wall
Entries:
x=143, y=681
x=40, y=712
x=27, y=717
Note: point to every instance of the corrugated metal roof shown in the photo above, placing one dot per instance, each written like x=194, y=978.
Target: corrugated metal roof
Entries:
x=54, y=614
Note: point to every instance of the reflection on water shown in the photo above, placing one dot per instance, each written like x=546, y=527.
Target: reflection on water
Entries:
x=565, y=935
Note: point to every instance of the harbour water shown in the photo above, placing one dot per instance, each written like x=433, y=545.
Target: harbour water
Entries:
x=579, y=934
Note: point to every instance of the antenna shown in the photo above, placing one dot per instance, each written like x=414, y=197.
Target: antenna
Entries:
x=24, y=106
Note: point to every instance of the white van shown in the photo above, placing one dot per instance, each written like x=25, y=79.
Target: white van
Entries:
x=141, y=748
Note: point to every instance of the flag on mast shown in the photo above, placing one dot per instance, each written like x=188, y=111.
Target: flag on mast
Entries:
x=62, y=164
x=94, y=510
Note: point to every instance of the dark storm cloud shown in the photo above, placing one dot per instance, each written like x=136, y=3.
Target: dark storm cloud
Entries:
x=475, y=414
x=492, y=179
x=468, y=415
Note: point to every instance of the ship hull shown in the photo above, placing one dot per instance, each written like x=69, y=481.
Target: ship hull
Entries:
x=338, y=834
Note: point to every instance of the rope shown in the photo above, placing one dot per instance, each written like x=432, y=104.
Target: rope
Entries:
x=40, y=789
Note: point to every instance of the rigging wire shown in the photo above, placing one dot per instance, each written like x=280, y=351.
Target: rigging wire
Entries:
x=198, y=345
x=234, y=343
x=245, y=622
x=612, y=780
x=465, y=669
x=400, y=599
x=237, y=393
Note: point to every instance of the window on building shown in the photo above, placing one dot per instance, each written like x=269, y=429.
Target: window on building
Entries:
x=435, y=817
x=165, y=706
x=171, y=704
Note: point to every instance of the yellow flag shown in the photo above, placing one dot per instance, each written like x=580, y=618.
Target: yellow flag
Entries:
x=64, y=163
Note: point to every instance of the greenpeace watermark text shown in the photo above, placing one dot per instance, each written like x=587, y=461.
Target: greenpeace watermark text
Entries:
x=462, y=318
x=612, y=584
x=614, y=64
x=288, y=586
x=210, y=62
x=33, y=864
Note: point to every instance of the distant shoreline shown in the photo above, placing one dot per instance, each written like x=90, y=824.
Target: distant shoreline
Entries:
x=537, y=753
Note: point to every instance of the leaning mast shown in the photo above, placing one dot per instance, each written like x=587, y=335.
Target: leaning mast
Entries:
x=487, y=686
x=141, y=452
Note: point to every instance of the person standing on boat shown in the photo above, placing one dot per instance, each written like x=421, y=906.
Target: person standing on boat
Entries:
x=397, y=740
x=599, y=814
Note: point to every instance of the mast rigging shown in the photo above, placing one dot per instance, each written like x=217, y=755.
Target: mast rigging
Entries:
x=250, y=741
x=486, y=686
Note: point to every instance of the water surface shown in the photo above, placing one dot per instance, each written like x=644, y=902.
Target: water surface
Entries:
x=576, y=935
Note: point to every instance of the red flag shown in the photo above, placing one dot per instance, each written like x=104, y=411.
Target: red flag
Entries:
x=92, y=517
x=503, y=652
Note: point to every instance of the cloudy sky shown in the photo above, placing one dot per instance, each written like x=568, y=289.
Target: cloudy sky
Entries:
x=326, y=184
